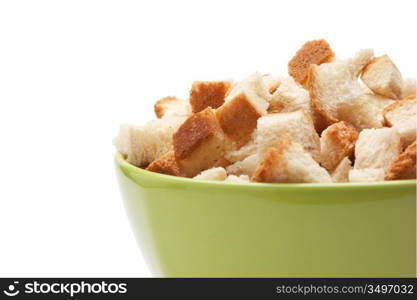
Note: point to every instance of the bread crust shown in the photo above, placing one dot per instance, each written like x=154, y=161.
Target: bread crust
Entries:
x=205, y=94
x=160, y=105
x=193, y=132
x=238, y=118
x=342, y=138
x=394, y=106
x=312, y=52
x=272, y=156
x=166, y=164
x=404, y=167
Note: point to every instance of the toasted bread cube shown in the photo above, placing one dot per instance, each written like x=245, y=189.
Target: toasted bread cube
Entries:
x=289, y=162
x=166, y=164
x=271, y=128
x=218, y=174
x=171, y=107
x=237, y=179
x=409, y=88
x=289, y=97
x=271, y=82
x=199, y=143
x=404, y=167
x=341, y=172
x=364, y=112
x=205, y=94
x=366, y=175
x=247, y=166
x=313, y=52
x=238, y=118
x=336, y=83
x=143, y=144
x=337, y=142
x=402, y=115
x=382, y=76
x=377, y=148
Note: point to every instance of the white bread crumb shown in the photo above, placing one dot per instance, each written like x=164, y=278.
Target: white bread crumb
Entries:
x=237, y=179
x=341, y=173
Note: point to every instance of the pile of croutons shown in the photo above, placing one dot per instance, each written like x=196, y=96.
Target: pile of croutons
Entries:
x=330, y=120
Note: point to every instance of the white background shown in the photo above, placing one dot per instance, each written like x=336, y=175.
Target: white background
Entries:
x=71, y=71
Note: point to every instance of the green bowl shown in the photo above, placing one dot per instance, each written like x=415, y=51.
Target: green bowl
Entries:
x=190, y=228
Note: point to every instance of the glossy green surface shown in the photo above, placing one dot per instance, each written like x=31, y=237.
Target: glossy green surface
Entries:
x=204, y=229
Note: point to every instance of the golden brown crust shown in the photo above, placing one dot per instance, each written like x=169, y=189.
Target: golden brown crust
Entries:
x=193, y=132
x=312, y=52
x=271, y=158
x=205, y=94
x=159, y=106
x=343, y=137
x=223, y=162
x=238, y=118
x=404, y=167
x=394, y=106
x=166, y=164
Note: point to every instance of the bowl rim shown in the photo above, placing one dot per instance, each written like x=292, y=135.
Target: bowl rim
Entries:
x=162, y=178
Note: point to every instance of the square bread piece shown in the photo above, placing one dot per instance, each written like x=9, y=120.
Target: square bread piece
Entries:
x=335, y=83
x=337, y=142
x=365, y=112
x=172, y=107
x=205, y=94
x=382, y=76
x=402, y=115
x=288, y=162
x=143, y=144
x=166, y=164
x=243, y=107
x=199, y=143
x=409, y=88
x=313, y=52
x=271, y=128
x=404, y=167
x=377, y=148
x=247, y=166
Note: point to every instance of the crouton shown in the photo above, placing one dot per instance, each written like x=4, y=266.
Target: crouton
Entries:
x=331, y=84
x=271, y=128
x=256, y=89
x=401, y=115
x=404, y=167
x=143, y=144
x=364, y=112
x=172, y=107
x=243, y=106
x=313, y=52
x=247, y=166
x=199, y=143
x=290, y=96
x=336, y=142
x=409, y=88
x=289, y=162
x=383, y=77
x=366, y=175
x=271, y=82
x=166, y=164
x=237, y=179
x=205, y=94
x=377, y=148
x=341, y=172
x=239, y=154
x=218, y=174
